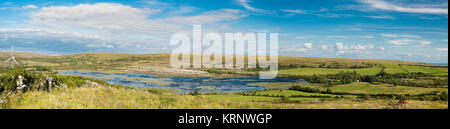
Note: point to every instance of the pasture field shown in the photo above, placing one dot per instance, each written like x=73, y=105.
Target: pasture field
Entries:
x=289, y=93
x=393, y=68
x=323, y=71
x=282, y=85
x=427, y=70
x=366, y=88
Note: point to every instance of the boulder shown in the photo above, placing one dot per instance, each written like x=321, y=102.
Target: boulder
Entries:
x=19, y=84
x=49, y=83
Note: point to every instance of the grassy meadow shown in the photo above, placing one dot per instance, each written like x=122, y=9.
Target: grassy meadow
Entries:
x=375, y=84
x=121, y=98
x=366, y=88
x=321, y=71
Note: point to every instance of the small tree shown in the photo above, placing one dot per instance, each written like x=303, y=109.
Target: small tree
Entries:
x=196, y=92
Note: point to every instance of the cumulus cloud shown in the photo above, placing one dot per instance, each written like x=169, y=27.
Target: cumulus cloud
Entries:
x=107, y=27
x=308, y=45
x=124, y=19
x=340, y=46
x=425, y=9
x=106, y=17
x=342, y=49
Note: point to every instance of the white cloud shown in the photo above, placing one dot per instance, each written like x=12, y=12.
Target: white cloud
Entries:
x=409, y=55
x=61, y=42
x=109, y=27
x=156, y=3
x=400, y=41
x=383, y=5
x=246, y=5
x=209, y=17
x=338, y=37
x=361, y=47
x=342, y=49
x=106, y=17
x=324, y=47
x=122, y=19
x=425, y=42
x=49, y=40
x=409, y=42
x=297, y=11
x=400, y=36
x=320, y=13
x=293, y=49
x=368, y=37
x=308, y=45
x=323, y=10
x=442, y=49
x=30, y=7
x=304, y=37
x=30, y=32
x=382, y=17
x=340, y=46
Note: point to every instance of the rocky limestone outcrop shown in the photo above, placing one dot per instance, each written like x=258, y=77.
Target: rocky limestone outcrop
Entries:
x=20, y=85
x=91, y=84
x=49, y=83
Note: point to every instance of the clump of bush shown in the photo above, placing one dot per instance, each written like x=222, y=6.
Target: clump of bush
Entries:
x=8, y=81
x=37, y=80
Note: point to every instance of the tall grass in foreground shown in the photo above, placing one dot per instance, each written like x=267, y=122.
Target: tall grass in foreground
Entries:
x=124, y=98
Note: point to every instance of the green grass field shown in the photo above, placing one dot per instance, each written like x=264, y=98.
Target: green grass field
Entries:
x=427, y=70
x=322, y=71
x=366, y=88
x=282, y=85
x=289, y=93
x=393, y=68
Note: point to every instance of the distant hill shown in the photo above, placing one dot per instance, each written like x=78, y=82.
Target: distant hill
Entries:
x=21, y=55
x=166, y=57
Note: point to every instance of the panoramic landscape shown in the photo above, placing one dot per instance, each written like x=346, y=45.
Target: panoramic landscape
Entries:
x=112, y=80
x=350, y=54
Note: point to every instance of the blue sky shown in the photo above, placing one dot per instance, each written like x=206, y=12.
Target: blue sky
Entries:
x=412, y=30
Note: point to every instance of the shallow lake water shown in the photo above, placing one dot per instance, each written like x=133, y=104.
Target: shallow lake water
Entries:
x=181, y=84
